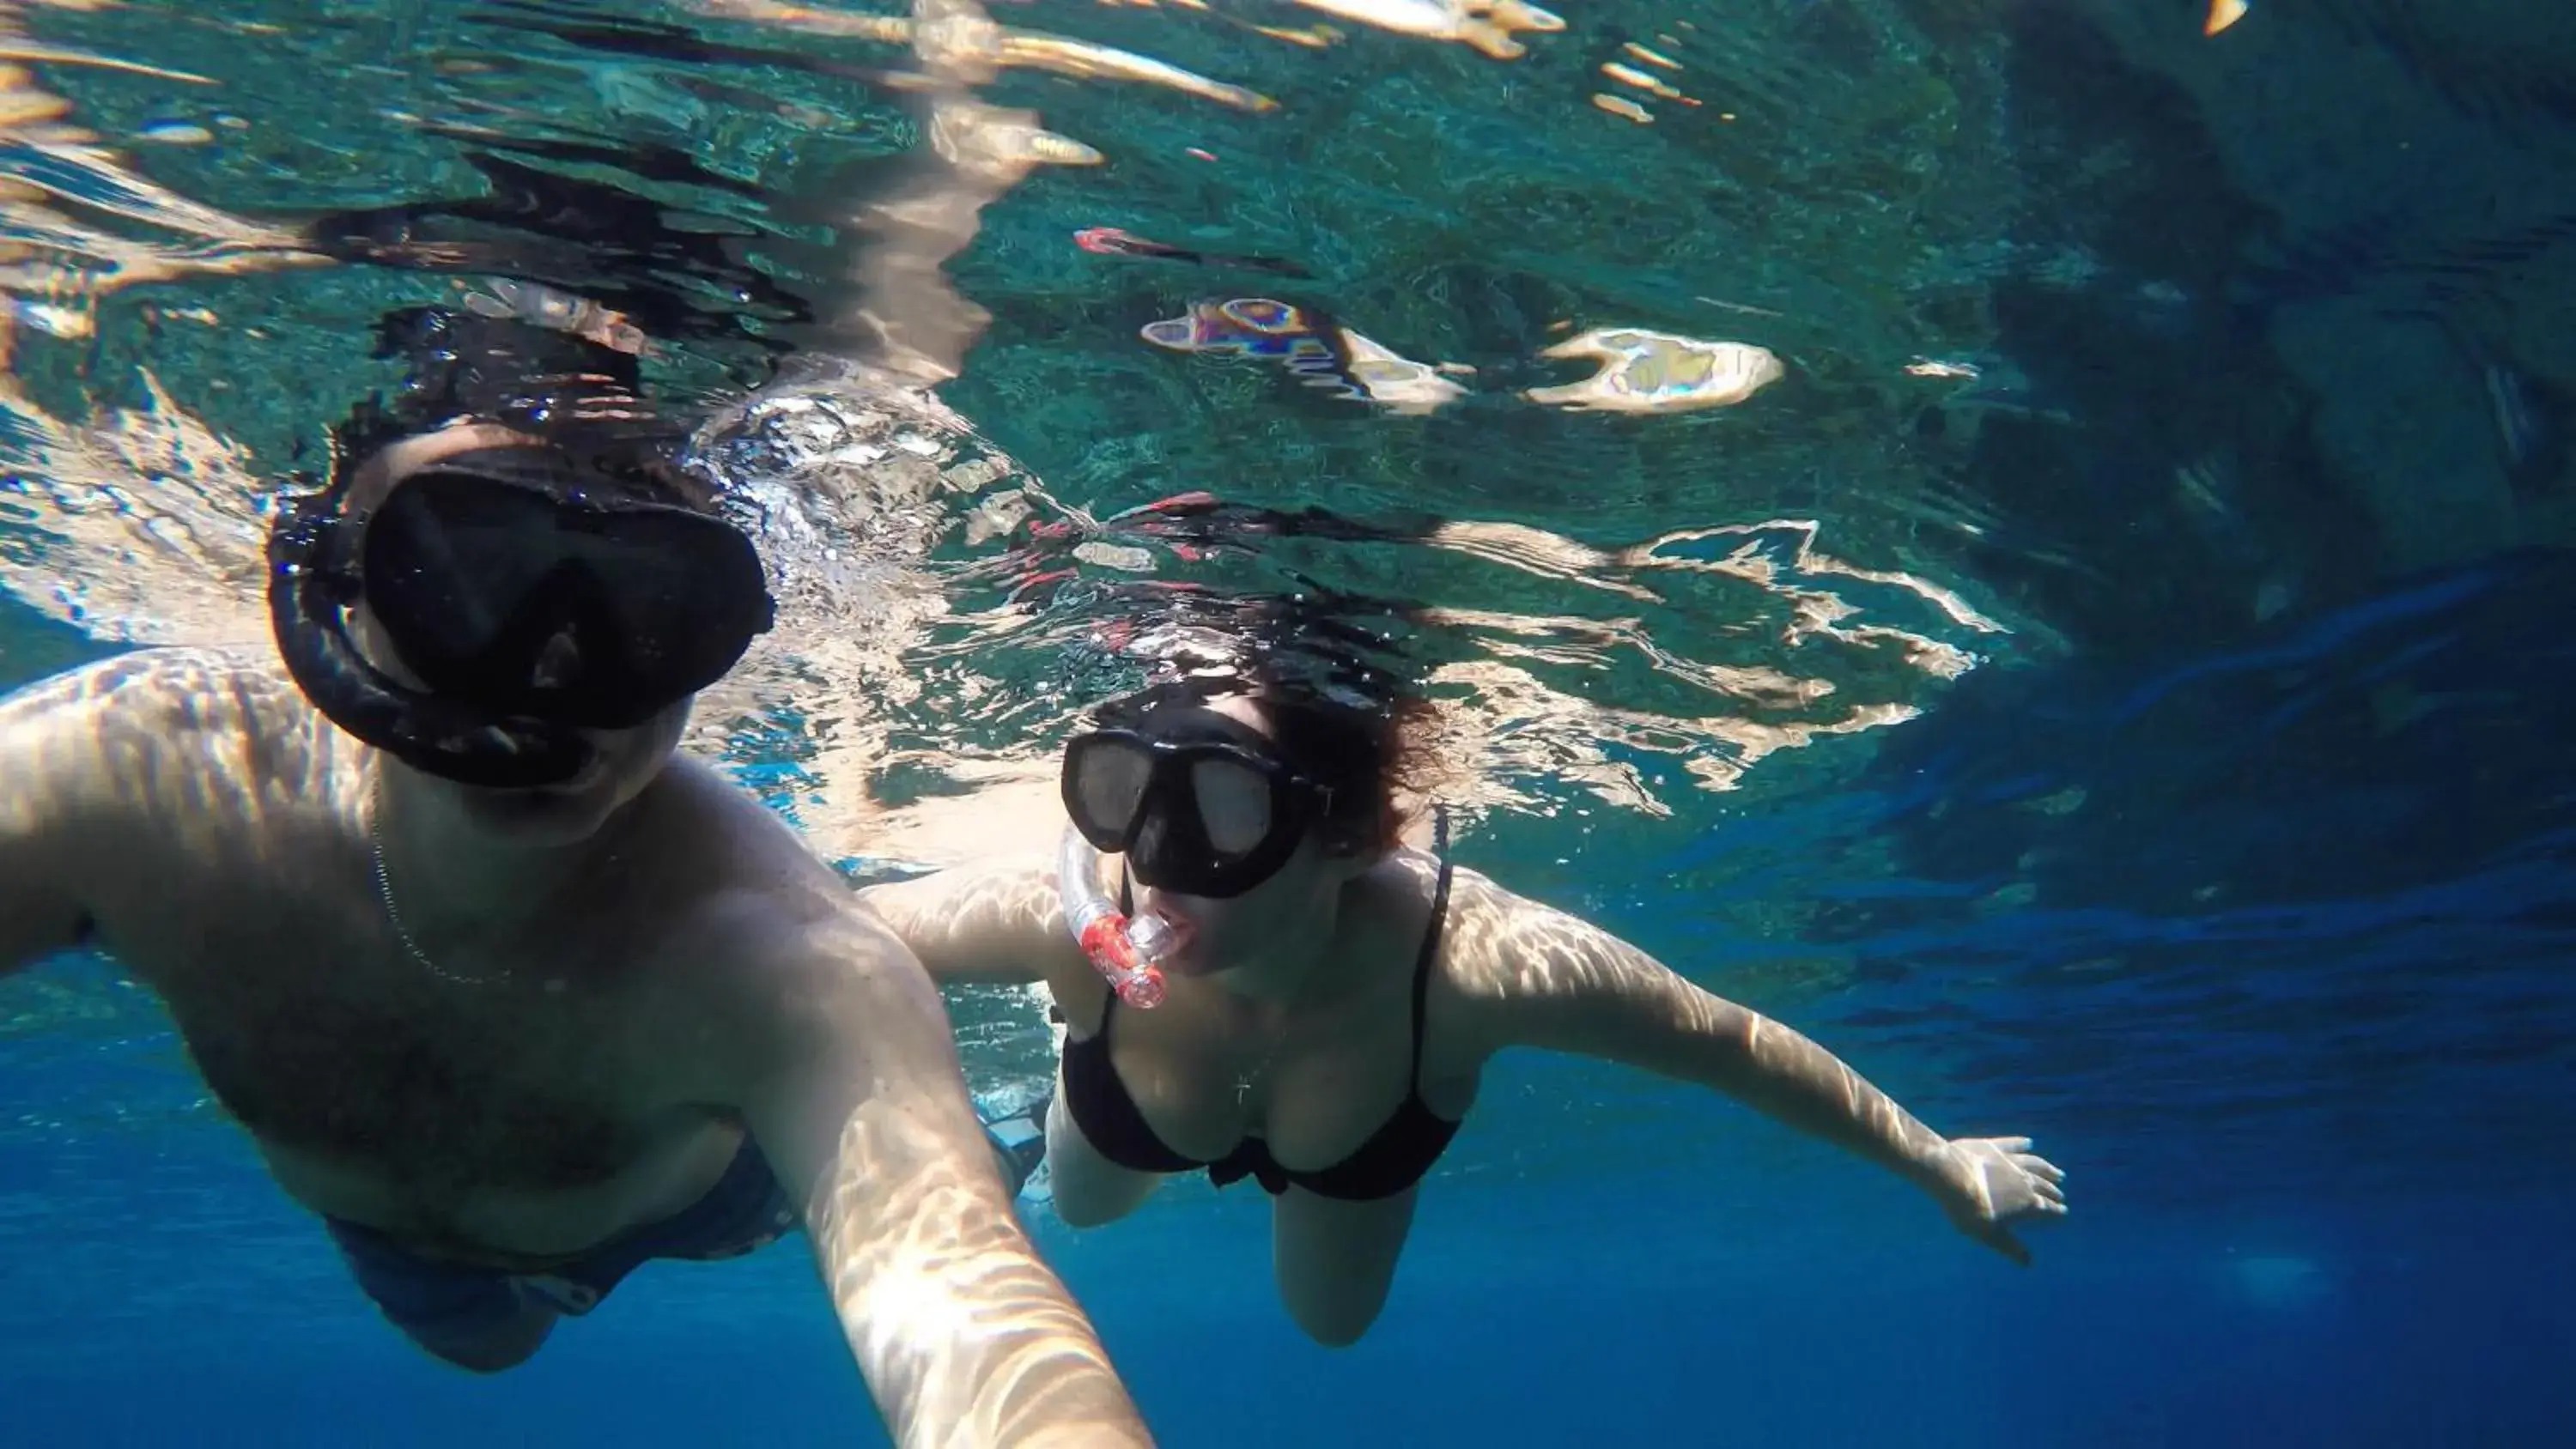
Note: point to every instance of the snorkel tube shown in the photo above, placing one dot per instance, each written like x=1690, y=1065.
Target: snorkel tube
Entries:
x=1127, y=951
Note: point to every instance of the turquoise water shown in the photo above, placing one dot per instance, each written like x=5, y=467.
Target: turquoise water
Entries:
x=2151, y=742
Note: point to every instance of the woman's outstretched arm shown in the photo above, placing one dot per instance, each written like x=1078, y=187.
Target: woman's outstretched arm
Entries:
x=999, y=924
x=1542, y=978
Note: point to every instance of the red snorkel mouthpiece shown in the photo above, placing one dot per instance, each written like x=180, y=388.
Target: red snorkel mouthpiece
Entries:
x=1127, y=951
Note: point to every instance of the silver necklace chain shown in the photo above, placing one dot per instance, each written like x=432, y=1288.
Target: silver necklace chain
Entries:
x=393, y=913
x=1440, y=846
x=1243, y=1080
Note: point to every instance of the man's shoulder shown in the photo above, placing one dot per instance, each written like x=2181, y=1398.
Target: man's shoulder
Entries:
x=748, y=898
x=170, y=712
x=171, y=690
x=702, y=827
x=156, y=754
x=751, y=972
x=761, y=955
x=754, y=937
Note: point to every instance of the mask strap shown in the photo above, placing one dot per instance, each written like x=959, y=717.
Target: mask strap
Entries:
x=368, y=484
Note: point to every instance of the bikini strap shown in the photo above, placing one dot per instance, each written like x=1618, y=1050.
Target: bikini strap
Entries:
x=1430, y=938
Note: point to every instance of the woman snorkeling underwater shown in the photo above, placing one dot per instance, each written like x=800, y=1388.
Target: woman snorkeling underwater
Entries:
x=1268, y=984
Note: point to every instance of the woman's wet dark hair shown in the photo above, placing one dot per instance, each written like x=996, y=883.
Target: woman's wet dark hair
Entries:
x=1340, y=701
x=1366, y=754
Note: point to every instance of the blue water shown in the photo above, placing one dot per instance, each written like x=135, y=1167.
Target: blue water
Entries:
x=2237, y=872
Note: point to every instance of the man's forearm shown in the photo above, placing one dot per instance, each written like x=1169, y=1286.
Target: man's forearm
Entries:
x=964, y=1334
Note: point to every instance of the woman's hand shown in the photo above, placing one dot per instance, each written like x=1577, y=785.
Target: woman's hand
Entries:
x=1987, y=1184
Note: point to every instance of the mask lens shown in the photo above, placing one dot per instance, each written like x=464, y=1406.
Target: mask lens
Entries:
x=1192, y=798
x=1158, y=862
x=1108, y=779
x=1234, y=805
x=507, y=595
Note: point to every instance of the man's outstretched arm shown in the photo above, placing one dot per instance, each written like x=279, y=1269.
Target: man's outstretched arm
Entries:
x=965, y=1336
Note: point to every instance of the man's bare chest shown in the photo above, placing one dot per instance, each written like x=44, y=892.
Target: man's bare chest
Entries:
x=319, y=1031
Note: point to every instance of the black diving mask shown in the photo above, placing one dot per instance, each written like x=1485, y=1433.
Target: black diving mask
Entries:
x=1199, y=803
x=532, y=596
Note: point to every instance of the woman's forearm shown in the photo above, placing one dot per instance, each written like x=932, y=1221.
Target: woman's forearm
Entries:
x=995, y=925
x=1574, y=987
x=1785, y=1075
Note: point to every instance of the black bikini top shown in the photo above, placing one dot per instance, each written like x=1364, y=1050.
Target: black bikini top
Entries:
x=1394, y=1158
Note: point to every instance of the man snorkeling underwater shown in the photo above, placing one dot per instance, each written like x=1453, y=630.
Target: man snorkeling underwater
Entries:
x=510, y=993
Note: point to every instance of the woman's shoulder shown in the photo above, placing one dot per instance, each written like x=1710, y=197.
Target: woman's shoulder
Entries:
x=1476, y=914
x=1498, y=944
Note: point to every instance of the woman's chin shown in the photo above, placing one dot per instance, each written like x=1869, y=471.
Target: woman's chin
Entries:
x=1189, y=956
x=1192, y=964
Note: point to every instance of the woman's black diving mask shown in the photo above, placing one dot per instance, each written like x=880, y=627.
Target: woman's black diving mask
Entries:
x=532, y=597
x=1199, y=803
